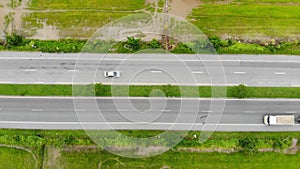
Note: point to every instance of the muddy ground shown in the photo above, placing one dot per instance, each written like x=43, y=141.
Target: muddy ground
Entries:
x=180, y=8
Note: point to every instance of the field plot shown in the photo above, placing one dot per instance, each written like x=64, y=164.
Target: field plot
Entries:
x=249, y=19
x=75, y=24
x=15, y=158
x=116, y=5
x=77, y=18
x=173, y=159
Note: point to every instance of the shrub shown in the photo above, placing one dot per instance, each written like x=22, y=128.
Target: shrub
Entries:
x=154, y=44
x=249, y=145
x=14, y=40
x=101, y=90
x=182, y=48
x=62, y=45
x=281, y=143
x=216, y=41
x=202, y=46
x=133, y=44
x=244, y=48
x=240, y=91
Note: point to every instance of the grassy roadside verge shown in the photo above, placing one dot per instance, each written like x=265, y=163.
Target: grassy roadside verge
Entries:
x=146, y=91
x=211, y=45
x=173, y=159
x=74, y=149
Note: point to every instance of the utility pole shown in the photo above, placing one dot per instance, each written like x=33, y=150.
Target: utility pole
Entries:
x=165, y=36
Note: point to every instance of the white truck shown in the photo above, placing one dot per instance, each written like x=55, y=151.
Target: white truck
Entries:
x=279, y=119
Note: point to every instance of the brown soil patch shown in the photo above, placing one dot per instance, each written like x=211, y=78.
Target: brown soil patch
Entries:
x=90, y=148
x=48, y=32
x=150, y=1
x=4, y=11
x=143, y=151
x=182, y=8
x=19, y=11
x=152, y=149
x=207, y=150
x=294, y=148
x=223, y=2
x=52, y=157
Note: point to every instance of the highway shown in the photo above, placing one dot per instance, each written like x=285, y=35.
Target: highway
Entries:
x=149, y=69
x=146, y=69
x=142, y=113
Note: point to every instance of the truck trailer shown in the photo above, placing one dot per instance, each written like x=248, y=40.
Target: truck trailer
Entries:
x=279, y=120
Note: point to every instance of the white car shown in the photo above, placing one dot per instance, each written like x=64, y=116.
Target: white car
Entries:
x=113, y=73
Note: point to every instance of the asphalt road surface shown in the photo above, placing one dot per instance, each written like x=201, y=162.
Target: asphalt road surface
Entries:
x=137, y=69
x=144, y=113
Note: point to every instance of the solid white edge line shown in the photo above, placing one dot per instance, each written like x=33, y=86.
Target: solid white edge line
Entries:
x=146, y=98
x=132, y=123
x=290, y=112
x=120, y=123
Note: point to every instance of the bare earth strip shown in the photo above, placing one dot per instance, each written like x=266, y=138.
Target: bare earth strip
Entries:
x=4, y=11
x=18, y=14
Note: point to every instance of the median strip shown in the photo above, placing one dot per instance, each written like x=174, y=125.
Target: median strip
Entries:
x=145, y=91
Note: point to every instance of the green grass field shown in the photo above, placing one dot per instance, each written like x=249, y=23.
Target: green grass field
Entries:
x=15, y=158
x=116, y=5
x=249, y=18
x=173, y=159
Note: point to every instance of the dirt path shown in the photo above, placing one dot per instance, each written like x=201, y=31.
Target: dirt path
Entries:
x=19, y=11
